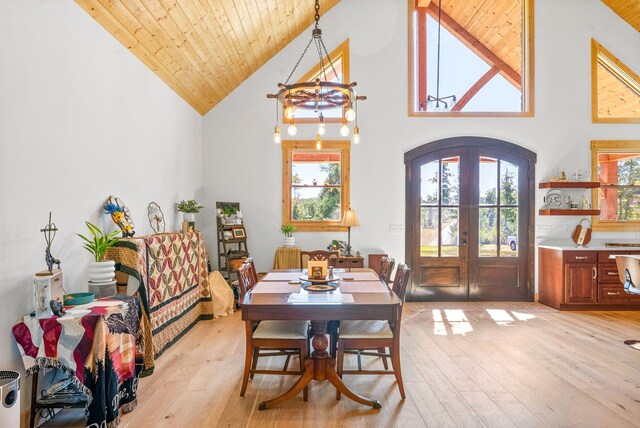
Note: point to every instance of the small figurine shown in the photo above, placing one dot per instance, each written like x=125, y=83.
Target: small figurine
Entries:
x=119, y=217
x=56, y=308
x=48, y=237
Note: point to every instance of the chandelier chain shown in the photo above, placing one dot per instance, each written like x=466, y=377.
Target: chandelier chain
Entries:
x=317, y=16
x=330, y=62
x=298, y=63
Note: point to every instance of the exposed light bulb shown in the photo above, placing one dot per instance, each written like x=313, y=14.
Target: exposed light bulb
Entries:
x=344, y=130
x=321, y=126
x=276, y=135
x=292, y=130
x=356, y=135
x=350, y=114
x=289, y=112
x=318, y=143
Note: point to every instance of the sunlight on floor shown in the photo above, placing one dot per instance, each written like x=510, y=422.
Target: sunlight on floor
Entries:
x=458, y=322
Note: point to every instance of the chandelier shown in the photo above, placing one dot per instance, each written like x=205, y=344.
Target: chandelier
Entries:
x=318, y=95
x=440, y=102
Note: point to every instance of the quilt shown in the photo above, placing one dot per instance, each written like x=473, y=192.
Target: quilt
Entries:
x=95, y=344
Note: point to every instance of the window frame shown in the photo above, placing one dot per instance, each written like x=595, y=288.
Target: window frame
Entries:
x=527, y=70
x=610, y=146
x=290, y=146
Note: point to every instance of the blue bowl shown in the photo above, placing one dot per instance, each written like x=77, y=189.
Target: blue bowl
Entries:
x=78, y=299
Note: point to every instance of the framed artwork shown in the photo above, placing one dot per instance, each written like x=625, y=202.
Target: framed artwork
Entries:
x=238, y=232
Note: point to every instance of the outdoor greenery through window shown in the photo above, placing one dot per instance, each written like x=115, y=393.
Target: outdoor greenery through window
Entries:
x=618, y=171
x=315, y=184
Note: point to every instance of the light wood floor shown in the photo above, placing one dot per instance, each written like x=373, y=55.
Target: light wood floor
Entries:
x=464, y=364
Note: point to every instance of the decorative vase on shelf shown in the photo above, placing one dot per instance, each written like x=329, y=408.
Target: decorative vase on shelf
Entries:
x=100, y=272
x=288, y=241
x=189, y=217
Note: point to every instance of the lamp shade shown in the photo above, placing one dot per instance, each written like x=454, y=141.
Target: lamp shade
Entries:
x=350, y=219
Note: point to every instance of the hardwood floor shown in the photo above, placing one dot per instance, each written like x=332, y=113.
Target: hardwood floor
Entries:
x=464, y=364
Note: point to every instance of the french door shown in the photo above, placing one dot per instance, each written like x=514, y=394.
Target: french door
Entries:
x=469, y=218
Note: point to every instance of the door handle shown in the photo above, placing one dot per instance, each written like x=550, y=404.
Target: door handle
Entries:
x=464, y=242
x=595, y=272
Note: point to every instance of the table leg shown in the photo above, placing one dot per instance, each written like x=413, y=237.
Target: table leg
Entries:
x=321, y=366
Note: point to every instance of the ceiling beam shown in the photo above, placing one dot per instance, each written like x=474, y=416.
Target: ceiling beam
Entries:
x=476, y=46
x=475, y=88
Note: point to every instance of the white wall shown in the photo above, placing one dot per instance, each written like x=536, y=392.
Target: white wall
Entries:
x=243, y=164
x=80, y=118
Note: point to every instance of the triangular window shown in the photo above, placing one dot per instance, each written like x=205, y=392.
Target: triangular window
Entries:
x=338, y=73
x=615, y=88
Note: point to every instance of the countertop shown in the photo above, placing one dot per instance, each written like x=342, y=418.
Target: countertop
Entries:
x=594, y=245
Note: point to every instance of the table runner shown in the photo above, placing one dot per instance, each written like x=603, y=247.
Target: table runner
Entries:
x=363, y=287
x=276, y=287
x=95, y=345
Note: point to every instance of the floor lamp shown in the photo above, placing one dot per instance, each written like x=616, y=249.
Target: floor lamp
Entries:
x=350, y=219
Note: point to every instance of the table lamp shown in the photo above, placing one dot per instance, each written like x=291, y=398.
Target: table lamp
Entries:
x=349, y=219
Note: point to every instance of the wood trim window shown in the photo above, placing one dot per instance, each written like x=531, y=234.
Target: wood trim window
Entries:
x=492, y=64
x=315, y=184
x=615, y=88
x=616, y=166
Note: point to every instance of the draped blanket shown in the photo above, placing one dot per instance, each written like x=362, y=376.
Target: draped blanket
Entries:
x=95, y=345
x=174, y=285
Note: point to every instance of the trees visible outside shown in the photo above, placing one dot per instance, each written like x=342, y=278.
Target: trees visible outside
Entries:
x=321, y=202
x=629, y=197
x=488, y=227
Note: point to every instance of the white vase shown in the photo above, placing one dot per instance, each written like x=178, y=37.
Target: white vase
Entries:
x=189, y=216
x=102, y=271
x=288, y=241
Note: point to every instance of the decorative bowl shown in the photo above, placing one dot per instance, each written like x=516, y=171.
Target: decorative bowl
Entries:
x=78, y=299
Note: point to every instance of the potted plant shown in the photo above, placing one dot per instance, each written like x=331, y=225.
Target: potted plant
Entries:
x=188, y=209
x=288, y=240
x=100, y=270
x=229, y=214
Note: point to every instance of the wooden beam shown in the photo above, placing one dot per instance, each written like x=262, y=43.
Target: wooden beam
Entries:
x=422, y=59
x=423, y=3
x=476, y=46
x=475, y=88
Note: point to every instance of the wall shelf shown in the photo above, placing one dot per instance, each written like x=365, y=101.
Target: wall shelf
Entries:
x=569, y=212
x=569, y=185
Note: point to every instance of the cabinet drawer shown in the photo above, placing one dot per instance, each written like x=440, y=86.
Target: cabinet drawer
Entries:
x=603, y=256
x=579, y=256
x=608, y=274
x=612, y=294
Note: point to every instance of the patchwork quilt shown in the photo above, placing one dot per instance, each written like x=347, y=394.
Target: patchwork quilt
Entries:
x=174, y=285
x=95, y=345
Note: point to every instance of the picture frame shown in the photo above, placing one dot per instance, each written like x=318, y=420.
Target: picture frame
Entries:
x=317, y=268
x=238, y=232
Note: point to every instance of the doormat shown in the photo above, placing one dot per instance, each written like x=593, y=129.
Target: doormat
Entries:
x=635, y=344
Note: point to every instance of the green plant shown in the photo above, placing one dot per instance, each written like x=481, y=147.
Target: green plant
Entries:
x=190, y=206
x=100, y=243
x=229, y=210
x=288, y=230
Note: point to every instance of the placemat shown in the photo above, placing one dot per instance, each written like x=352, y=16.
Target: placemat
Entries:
x=275, y=287
x=363, y=287
x=320, y=298
x=282, y=276
x=361, y=276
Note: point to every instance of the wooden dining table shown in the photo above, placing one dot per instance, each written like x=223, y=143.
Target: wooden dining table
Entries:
x=360, y=295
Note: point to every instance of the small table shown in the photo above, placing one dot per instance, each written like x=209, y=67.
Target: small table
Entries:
x=95, y=344
x=287, y=258
x=379, y=304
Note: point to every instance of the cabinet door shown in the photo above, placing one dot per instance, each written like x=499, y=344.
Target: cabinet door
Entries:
x=580, y=282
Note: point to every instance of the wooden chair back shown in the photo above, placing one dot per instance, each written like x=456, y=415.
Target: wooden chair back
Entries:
x=252, y=269
x=318, y=255
x=245, y=281
x=401, y=281
x=386, y=267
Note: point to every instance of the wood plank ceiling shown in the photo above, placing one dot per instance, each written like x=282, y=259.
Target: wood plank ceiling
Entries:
x=204, y=49
x=629, y=10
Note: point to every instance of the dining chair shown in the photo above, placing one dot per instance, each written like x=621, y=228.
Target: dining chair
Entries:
x=361, y=335
x=270, y=338
x=386, y=267
x=252, y=270
x=316, y=255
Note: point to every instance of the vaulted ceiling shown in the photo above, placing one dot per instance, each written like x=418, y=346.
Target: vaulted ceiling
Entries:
x=629, y=10
x=204, y=49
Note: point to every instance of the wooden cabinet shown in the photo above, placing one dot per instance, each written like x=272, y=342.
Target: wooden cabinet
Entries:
x=345, y=262
x=586, y=279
